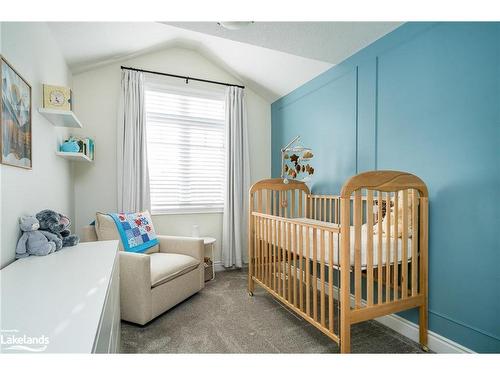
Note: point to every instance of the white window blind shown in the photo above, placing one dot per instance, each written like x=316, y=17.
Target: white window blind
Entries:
x=185, y=136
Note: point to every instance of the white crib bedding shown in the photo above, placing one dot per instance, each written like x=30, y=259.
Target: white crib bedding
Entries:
x=336, y=247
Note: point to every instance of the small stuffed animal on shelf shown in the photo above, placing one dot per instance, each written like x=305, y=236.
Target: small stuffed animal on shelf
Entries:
x=34, y=241
x=59, y=225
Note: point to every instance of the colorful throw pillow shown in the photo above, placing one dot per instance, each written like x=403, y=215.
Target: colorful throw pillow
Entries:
x=136, y=231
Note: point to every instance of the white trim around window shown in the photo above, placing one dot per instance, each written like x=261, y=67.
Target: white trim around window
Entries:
x=186, y=148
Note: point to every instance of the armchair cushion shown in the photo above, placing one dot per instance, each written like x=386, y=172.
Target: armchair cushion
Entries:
x=168, y=266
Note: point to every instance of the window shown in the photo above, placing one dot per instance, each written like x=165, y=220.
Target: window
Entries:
x=185, y=135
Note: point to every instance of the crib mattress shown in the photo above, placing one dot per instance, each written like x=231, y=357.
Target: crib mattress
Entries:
x=393, y=243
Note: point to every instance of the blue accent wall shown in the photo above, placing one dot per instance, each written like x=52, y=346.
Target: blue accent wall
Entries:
x=424, y=99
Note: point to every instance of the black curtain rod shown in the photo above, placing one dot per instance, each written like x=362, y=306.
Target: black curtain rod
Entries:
x=182, y=77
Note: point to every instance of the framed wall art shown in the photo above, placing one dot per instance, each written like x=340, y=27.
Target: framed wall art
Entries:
x=15, y=118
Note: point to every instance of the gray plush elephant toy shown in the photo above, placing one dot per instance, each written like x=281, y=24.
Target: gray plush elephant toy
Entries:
x=34, y=241
x=58, y=224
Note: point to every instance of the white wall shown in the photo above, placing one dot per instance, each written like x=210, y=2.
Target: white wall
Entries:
x=96, y=99
x=1, y=257
x=33, y=52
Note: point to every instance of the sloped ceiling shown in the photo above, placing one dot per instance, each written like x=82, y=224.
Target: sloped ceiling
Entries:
x=271, y=58
x=331, y=42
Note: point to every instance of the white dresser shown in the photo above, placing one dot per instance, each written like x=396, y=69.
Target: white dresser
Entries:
x=66, y=302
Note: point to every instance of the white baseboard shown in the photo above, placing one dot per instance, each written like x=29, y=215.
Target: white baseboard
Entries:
x=436, y=342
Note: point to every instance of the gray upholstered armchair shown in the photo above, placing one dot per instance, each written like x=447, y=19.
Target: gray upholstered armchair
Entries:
x=153, y=282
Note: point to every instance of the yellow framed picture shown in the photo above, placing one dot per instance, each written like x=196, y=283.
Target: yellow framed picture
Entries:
x=57, y=97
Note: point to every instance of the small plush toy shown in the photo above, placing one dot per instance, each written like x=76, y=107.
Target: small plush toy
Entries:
x=58, y=224
x=34, y=241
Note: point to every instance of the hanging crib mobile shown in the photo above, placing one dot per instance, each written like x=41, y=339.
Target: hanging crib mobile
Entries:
x=295, y=161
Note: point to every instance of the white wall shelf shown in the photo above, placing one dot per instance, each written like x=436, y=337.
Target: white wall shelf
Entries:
x=76, y=156
x=57, y=117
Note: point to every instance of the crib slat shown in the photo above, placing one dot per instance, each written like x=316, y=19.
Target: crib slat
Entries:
x=388, y=248
x=259, y=201
x=315, y=276
x=280, y=198
x=369, y=247
x=308, y=276
x=292, y=208
x=278, y=243
x=268, y=202
x=404, y=256
x=322, y=276
x=301, y=271
x=300, y=213
x=329, y=210
x=330, y=281
x=325, y=208
x=379, y=247
x=295, y=245
x=270, y=244
x=264, y=250
x=345, y=282
x=275, y=212
x=289, y=262
x=357, y=247
x=337, y=209
x=285, y=202
x=317, y=207
x=396, y=247
x=414, y=244
x=269, y=250
x=285, y=257
x=273, y=239
x=257, y=253
x=255, y=248
x=308, y=205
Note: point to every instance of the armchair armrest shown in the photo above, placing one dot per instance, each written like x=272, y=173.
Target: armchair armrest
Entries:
x=89, y=234
x=135, y=287
x=182, y=245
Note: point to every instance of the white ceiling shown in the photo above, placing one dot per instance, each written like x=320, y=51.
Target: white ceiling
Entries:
x=272, y=58
x=332, y=42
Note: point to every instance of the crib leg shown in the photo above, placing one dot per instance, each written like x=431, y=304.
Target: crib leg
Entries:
x=422, y=325
x=345, y=338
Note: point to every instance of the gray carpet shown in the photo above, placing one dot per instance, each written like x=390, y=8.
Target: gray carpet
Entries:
x=222, y=318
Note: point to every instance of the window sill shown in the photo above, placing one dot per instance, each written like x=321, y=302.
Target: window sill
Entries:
x=187, y=212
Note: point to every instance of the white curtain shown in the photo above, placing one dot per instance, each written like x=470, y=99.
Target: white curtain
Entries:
x=132, y=167
x=234, y=227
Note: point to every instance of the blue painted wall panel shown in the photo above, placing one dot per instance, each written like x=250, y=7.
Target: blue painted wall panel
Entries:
x=326, y=121
x=426, y=99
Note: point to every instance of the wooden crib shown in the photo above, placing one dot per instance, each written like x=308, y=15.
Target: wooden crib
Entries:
x=336, y=273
